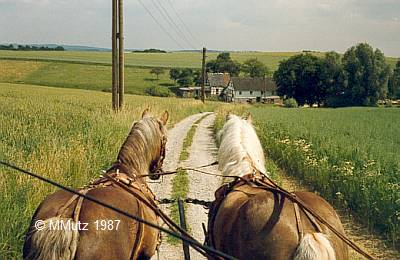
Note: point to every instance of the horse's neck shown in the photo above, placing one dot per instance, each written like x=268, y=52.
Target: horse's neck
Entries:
x=134, y=157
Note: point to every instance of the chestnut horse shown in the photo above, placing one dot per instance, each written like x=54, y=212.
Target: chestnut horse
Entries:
x=73, y=228
x=250, y=221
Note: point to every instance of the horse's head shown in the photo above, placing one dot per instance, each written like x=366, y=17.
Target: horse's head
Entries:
x=144, y=149
x=159, y=155
x=240, y=150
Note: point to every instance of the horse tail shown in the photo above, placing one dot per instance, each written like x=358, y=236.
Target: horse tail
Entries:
x=315, y=246
x=56, y=239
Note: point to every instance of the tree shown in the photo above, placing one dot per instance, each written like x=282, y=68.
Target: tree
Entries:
x=394, y=83
x=157, y=71
x=367, y=75
x=254, y=68
x=224, y=63
x=333, y=80
x=174, y=74
x=185, y=78
x=299, y=78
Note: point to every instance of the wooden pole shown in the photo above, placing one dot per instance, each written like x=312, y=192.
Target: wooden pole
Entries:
x=114, y=57
x=121, y=54
x=203, y=76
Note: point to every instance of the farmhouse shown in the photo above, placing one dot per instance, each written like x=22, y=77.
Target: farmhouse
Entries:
x=251, y=90
x=216, y=83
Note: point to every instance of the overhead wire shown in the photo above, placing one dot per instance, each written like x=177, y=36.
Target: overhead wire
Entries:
x=181, y=20
x=160, y=25
x=175, y=25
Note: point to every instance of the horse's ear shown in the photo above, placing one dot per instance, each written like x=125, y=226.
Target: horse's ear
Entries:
x=164, y=117
x=146, y=113
x=249, y=118
x=228, y=116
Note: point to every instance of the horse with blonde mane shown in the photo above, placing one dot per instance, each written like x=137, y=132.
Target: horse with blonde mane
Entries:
x=251, y=221
x=74, y=228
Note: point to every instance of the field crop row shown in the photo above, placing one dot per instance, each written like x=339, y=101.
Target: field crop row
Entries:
x=64, y=134
x=351, y=156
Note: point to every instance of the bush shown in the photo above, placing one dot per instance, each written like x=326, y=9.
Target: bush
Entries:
x=290, y=103
x=159, y=91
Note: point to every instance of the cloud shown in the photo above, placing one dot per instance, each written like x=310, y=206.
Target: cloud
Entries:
x=270, y=25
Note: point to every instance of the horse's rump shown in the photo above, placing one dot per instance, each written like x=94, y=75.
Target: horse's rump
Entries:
x=252, y=223
x=97, y=227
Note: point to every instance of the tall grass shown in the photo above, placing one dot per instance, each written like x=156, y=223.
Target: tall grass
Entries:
x=66, y=135
x=350, y=155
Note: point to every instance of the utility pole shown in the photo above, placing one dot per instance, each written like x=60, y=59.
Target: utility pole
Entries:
x=114, y=55
x=203, y=75
x=121, y=54
x=117, y=54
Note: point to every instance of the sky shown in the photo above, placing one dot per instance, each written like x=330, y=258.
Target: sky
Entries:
x=242, y=25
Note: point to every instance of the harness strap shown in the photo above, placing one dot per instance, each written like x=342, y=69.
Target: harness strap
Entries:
x=64, y=208
x=298, y=221
x=313, y=221
x=78, y=206
x=138, y=238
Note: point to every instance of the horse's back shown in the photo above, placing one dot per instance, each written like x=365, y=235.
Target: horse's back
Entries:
x=103, y=233
x=262, y=224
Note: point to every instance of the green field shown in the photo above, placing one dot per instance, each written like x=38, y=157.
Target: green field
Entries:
x=67, y=135
x=351, y=156
x=69, y=75
x=171, y=59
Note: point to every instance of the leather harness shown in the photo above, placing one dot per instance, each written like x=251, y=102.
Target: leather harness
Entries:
x=255, y=180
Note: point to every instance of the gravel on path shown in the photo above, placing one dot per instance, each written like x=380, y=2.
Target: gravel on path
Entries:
x=162, y=188
x=202, y=152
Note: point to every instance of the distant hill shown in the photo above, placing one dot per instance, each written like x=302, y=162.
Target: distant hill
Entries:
x=65, y=46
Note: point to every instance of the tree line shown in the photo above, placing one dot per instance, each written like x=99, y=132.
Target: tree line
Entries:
x=360, y=77
x=11, y=47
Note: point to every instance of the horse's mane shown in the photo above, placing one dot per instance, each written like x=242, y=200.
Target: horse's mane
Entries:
x=240, y=149
x=140, y=146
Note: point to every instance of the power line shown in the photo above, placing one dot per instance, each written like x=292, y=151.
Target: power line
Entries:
x=178, y=29
x=181, y=20
x=159, y=24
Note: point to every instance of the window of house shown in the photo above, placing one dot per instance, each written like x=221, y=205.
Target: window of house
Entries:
x=251, y=92
x=240, y=92
x=262, y=92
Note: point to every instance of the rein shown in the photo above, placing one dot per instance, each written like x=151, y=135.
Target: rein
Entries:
x=170, y=223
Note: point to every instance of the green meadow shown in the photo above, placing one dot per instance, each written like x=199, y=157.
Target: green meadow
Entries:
x=351, y=156
x=70, y=75
x=169, y=60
